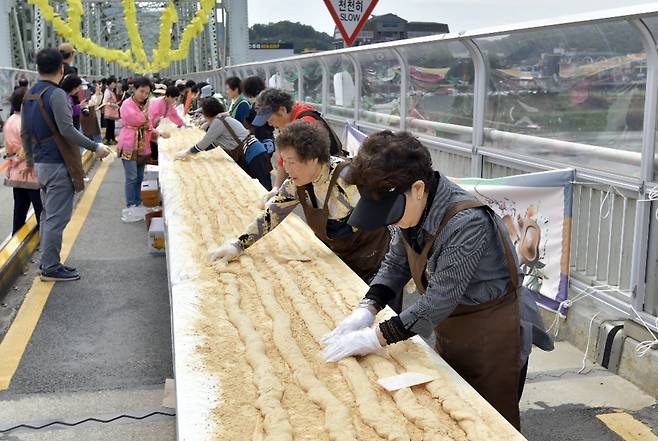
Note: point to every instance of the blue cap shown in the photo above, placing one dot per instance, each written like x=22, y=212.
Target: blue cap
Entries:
x=262, y=115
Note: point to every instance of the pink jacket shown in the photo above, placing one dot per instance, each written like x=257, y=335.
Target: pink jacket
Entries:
x=14, y=148
x=132, y=117
x=158, y=109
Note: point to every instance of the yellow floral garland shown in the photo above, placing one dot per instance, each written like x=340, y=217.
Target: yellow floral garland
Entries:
x=134, y=58
x=130, y=19
x=73, y=34
x=160, y=55
x=194, y=28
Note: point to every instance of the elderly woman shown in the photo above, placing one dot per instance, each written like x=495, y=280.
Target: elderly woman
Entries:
x=134, y=146
x=19, y=176
x=226, y=132
x=110, y=111
x=460, y=256
x=72, y=84
x=317, y=182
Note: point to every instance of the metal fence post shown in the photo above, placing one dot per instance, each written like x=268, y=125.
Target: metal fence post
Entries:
x=643, y=209
x=325, y=85
x=404, y=88
x=357, y=84
x=479, y=104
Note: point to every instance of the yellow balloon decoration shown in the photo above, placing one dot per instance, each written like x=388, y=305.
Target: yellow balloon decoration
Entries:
x=73, y=34
x=193, y=29
x=134, y=58
x=161, y=55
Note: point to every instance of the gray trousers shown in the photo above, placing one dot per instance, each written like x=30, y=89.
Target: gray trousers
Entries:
x=57, y=198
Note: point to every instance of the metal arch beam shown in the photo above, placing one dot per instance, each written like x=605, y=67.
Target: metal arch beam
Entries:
x=39, y=29
x=479, y=104
x=19, y=38
x=643, y=210
x=212, y=38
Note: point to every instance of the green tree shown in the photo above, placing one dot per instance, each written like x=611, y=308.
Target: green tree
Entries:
x=302, y=36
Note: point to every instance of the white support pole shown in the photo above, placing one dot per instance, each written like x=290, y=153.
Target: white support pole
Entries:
x=357, y=83
x=643, y=209
x=404, y=88
x=479, y=105
x=325, y=85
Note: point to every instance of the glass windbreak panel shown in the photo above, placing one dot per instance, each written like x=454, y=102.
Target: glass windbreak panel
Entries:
x=261, y=73
x=312, y=93
x=440, y=95
x=291, y=80
x=249, y=72
x=380, y=87
x=217, y=82
x=282, y=78
x=342, y=88
x=582, y=84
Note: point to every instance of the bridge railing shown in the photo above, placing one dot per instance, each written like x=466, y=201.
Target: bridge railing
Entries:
x=579, y=92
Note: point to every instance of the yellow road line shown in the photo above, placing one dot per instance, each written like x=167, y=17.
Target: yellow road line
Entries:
x=18, y=336
x=627, y=427
x=16, y=240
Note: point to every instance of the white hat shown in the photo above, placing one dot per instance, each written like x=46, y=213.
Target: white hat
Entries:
x=179, y=83
x=206, y=91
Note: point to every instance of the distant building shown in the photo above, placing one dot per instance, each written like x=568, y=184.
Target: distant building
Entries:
x=261, y=51
x=390, y=27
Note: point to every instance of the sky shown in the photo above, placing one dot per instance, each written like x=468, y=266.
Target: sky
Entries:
x=459, y=15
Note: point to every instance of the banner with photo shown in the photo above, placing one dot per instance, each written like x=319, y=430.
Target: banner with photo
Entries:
x=536, y=209
x=353, y=140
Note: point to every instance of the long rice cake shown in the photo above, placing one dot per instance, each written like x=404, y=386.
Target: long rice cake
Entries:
x=246, y=334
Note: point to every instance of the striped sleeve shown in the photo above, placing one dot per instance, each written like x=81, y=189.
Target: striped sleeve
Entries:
x=455, y=263
x=275, y=212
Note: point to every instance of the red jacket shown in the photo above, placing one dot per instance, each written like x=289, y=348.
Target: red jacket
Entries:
x=299, y=108
x=294, y=116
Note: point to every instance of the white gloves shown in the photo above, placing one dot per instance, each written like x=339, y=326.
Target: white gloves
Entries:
x=361, y=342
x=226, y=252
x=359, y=318
x=102, y=151
x=270, y=194
x=182, y=153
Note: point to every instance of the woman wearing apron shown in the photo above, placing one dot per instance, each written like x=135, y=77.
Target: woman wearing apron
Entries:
x=316, y=182
x=459, y=255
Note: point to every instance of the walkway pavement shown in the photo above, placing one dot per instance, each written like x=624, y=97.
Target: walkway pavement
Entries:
x=102, y=346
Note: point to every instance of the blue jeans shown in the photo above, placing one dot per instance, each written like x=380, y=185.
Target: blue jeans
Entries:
x=134, y=177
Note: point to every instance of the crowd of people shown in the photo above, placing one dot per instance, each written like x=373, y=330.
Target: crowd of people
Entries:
x=386, y=213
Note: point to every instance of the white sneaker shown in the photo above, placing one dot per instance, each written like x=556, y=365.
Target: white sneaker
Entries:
x=132, y=214
x=140, y=210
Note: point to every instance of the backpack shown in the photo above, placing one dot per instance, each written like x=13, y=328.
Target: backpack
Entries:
x=335, y=146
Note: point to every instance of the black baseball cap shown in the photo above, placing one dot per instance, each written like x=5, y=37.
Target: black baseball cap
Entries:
x=372, y=213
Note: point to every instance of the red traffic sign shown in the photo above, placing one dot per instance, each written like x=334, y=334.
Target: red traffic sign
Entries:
x=350, y=16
